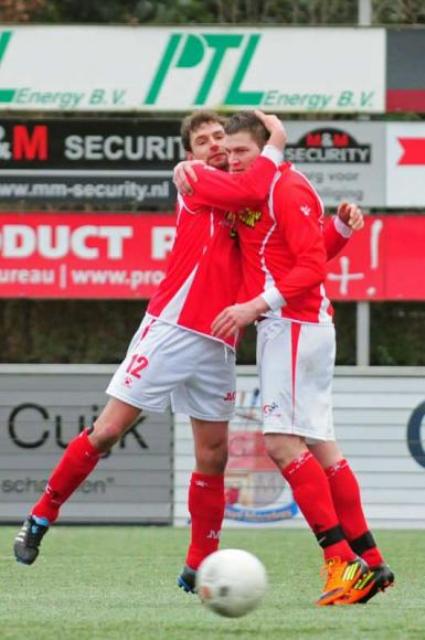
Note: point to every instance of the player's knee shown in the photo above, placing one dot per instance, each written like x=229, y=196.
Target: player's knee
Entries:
x=105, y=434
x=212, y=458
x=273, y=448
x=283, y=449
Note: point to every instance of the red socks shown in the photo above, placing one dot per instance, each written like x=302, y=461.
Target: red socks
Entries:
x=206, y=507
x=77, y=462
x=348, y=506
x=310, y=488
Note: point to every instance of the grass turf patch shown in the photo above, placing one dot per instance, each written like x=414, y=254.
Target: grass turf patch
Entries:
x=119, y=583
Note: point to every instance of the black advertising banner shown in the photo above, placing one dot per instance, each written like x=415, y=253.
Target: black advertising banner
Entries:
x=125, y=163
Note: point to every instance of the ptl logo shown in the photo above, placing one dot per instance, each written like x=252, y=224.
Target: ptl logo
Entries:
x=184, y=51
x=4, y=41
x=6, y=95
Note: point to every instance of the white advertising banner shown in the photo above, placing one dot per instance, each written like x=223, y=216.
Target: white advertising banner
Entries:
x=344, y=160
x=173, y=69
x=379, y=414
x=405, y=164
x=42, y=408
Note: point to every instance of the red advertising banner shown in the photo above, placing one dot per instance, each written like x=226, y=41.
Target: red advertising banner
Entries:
x=384, y=261
x=103, y=255
x=96, y=255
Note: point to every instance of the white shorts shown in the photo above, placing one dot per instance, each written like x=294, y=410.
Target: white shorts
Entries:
x=166, y=364
x=296, y=364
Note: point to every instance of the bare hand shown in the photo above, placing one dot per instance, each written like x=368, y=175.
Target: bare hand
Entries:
x=278, y=135
x=184, y=174
x=233, y=318
x=351, y=215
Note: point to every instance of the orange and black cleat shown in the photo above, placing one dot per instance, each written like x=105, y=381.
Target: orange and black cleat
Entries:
x=341, y=576
x=377, y=579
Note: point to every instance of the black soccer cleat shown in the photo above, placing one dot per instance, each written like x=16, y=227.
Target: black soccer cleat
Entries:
x=383, y=578
x=187, y=580
x=28, y=540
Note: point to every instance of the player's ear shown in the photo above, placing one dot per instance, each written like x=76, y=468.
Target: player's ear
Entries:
x=189, y=156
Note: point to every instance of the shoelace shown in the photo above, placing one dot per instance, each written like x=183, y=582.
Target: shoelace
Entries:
x=332, y=572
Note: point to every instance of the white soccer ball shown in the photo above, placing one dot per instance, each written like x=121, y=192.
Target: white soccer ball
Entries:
x=231, y=582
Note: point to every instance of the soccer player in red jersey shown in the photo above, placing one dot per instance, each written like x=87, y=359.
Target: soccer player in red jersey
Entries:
x=174, y=357
x=283, y=261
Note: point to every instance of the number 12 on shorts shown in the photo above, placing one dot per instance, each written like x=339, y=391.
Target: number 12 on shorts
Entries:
x=137, y=364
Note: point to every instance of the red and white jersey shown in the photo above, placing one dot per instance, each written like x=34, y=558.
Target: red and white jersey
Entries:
x=335, y=235
x=204, y=270
x=283, y=250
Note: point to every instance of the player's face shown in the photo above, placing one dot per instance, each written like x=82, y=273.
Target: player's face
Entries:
x=207, y=143
x=241, y=151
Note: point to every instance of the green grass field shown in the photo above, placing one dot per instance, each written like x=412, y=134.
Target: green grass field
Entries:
x=118, y=583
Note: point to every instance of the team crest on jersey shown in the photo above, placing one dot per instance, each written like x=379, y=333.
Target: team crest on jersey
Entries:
x=230, y=220
x=249, y=217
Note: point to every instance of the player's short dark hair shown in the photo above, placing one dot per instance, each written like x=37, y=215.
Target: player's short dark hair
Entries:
x=247, y=121
x=192, y=122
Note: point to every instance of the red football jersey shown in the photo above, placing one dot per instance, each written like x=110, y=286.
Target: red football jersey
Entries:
x=283, y=250
x=335, y=236
x=204, y=269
